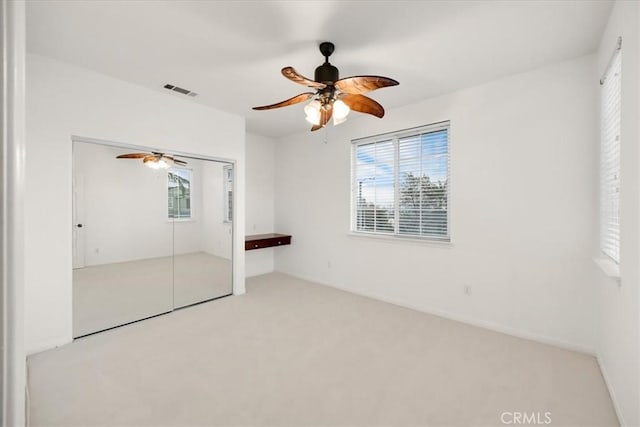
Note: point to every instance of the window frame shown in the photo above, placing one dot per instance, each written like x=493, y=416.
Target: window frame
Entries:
x=227, y=186
x=395, y=137
x=606, y=163
x=191, y=216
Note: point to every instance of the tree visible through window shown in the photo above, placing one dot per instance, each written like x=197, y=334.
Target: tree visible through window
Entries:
x=401, y=183
x=179, y=193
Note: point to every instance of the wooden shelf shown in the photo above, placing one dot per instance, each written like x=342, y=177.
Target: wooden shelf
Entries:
x=259, y=241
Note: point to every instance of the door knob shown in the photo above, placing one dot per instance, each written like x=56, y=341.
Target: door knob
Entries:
x=79, y=225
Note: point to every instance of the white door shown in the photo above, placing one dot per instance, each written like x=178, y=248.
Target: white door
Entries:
x=78, y=226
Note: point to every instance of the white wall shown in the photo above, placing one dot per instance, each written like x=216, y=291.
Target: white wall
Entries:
x=618, y=302
x=64, y=100
x=260, y=161
x=523, y=151
x=124, y=208
x=215, y=234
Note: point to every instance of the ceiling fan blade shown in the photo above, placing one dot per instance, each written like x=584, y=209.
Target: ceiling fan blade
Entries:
x=132, y=156
x=363, y=84
x=294, y=76
x=363, y=104
x=295, y=100
x=174, y=160
x=325, y=116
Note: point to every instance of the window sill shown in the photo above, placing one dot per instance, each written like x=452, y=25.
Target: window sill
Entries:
x=402, y=240
x=608, y=266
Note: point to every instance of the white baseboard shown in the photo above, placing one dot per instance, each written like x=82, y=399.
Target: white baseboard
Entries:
x=258, y=273
x=496, y=327
x=612, y=393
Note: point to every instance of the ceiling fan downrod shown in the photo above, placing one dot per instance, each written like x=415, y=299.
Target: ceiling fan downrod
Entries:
x=327, y=73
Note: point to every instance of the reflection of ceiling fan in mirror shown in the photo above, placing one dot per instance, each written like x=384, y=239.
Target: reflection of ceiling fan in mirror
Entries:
x=333, y=97
x=154, y=159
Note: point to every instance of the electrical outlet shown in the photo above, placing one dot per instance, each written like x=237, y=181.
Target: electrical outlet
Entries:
x=328, y=264
x=97, y=250
x=467, y=290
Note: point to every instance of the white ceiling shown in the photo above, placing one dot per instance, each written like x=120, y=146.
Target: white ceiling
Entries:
x=231, y=52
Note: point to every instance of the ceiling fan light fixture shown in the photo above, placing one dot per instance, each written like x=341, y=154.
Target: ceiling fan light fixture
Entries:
x=312, y=111
x=337, y=121
x=340, y=111
x=160, y=163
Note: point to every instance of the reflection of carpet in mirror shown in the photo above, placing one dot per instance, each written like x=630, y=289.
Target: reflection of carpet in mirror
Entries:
x=113, y=294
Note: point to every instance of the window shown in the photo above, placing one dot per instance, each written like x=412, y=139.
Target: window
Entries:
x=610, y=159
x=227, y=173
x=401, y=183
x=179, y=193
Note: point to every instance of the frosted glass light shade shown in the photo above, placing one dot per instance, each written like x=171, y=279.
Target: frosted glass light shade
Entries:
x=159, y=164
x=337, y=121
x=312, y=110
x=340, y=110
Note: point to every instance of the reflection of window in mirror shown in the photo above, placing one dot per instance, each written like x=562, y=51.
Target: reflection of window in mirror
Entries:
x=228, y=192
x=179, y=193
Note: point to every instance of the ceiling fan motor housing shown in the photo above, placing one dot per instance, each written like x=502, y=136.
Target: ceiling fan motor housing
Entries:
x=327, y=74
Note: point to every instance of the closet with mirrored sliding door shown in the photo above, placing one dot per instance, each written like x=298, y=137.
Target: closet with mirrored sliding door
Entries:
x=152, y=232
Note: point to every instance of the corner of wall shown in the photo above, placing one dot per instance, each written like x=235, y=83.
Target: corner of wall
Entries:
x=260, y=195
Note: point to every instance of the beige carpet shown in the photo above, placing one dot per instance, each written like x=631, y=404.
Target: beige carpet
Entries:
x=294, y=353
x=109, y=295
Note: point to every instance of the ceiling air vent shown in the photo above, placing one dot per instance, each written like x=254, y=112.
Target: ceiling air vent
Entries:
x=180, y=90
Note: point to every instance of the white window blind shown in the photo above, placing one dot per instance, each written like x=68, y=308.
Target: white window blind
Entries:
x=401, y=183
x=610, y=159
x=228, y=192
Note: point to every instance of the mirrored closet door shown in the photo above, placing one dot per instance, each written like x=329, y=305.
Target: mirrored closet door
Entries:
x=202, y=235
x=150, y=234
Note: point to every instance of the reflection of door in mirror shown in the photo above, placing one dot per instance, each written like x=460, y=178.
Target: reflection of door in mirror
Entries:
x=146, y=240
x=78, y=219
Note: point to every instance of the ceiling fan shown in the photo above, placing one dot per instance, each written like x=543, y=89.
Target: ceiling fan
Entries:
x=154, y=159
x=334, y=97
